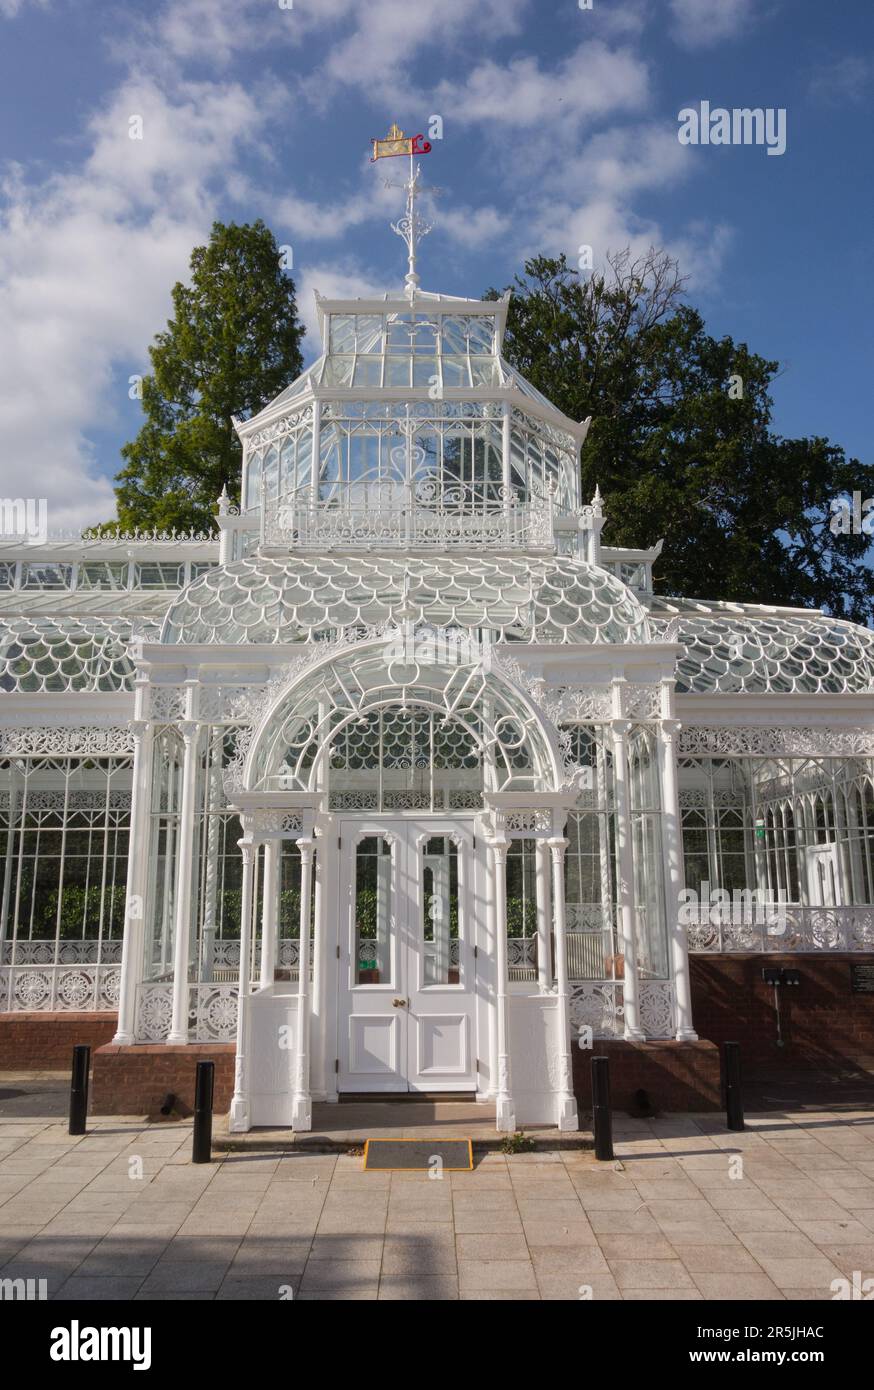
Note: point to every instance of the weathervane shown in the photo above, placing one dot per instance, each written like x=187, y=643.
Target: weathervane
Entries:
x=412, y=227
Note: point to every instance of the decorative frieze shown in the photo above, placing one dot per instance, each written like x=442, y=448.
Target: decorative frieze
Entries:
x=813, y=740
x=66, y=740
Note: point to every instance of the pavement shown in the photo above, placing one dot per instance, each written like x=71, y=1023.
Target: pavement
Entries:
x=783, y=1210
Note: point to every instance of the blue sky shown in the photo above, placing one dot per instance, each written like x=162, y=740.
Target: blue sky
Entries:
x=559, y=128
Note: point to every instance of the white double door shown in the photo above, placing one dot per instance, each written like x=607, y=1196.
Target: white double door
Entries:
x=409, y=891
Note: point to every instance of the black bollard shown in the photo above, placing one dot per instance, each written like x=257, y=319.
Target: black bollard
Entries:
x=602, y=1120
x=201, y=1151
x=734, y=1105
x=79, y=1088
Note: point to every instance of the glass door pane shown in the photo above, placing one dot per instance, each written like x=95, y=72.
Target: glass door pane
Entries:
x=440, y=914
x=373, y=953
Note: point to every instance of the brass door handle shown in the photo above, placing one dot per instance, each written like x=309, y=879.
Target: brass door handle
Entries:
x=398, y=1003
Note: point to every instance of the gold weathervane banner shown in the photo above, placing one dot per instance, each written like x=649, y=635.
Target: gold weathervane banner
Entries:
x=396, y=143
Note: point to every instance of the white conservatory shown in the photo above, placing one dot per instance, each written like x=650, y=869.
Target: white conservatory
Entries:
x=398, y=779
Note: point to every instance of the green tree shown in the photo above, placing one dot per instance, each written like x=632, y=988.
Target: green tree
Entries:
x=232, y=344
x=681, y=443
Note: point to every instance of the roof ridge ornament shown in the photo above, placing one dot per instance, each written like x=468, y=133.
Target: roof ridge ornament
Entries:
x=412, y=227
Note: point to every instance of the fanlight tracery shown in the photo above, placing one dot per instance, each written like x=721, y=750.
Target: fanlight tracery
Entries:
x=376, y=709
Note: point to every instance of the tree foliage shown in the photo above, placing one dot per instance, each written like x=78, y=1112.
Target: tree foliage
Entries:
x=232, y=344
x=681, y=442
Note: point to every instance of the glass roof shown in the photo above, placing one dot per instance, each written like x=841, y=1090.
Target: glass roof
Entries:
x=300, y=597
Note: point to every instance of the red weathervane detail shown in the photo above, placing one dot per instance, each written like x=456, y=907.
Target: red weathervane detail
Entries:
x=396, y=143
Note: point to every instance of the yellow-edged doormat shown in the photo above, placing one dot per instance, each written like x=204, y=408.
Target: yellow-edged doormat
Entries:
x=439, y=1154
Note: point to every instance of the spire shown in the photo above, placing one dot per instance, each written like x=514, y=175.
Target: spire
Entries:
x=412, y=227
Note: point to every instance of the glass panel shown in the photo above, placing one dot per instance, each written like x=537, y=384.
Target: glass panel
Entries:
x=522, y=910
x=425, y=371
x=369, y=333
x=342, y=334
x=484, y=371
x=367, y=370
x=103, y=574
x=440, y=916
x=397, y=371
x=7, y=576
x=46, y=576
x=455, y=371
x=155, y=576
x=338, y=371
x=373, y=911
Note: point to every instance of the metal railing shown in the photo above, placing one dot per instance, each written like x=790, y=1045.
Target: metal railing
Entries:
x=427, y=512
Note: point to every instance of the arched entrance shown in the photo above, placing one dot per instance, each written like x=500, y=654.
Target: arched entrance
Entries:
x=404, y=757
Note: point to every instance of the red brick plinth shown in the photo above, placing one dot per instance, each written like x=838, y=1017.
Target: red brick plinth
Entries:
x=37, y=1041
x=135, y=1080
x=824, y=1023
x=675, y=1075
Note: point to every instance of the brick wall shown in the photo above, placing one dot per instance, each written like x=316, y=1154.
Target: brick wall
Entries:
x=135, y=1080
x=675, y=1076
x=44, y=1042
x=824, y=1023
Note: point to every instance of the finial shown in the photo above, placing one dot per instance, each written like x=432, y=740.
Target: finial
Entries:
x=597, y=499
x=224, y=501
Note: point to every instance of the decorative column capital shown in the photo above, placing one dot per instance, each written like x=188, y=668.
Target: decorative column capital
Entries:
x=620, y=727
x=499, y=848
x=189, y=730
x=669, y=729
x=138, y=728
x=307, y=846
x=247, y=849
x=558, y=844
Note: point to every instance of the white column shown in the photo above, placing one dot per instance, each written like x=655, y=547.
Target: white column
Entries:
x=625, y=881
x=320, y=973
x=133, y=947
x=505, y=1112
x=544, y=916
x=184, y=877
x=268, y=914
x=301, y=1102
x=672, y=844
x=307, y=524
x=567, y=1106
x=238, y=1121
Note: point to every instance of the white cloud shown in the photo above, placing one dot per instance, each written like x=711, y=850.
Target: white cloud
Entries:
x=86, y=265
x=474, y=228
x=9, y=9
x=703, y=23
x=846, y=79
x=333, y=280
x=626, y=160
x=593, y=81
x=386, y=36
x=605, y=224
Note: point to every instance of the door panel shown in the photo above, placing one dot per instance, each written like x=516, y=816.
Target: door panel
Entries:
x=374, y=1045
x=440, y=955
x=373, y=1019
x=407, y=1018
